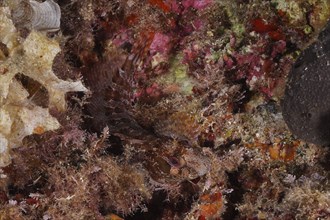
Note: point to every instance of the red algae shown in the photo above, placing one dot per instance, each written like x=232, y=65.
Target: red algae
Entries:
x=261, y=26
x=160, y=4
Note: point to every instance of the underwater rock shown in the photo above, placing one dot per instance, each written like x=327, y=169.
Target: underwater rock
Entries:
x=33, y=57
x=306, y=103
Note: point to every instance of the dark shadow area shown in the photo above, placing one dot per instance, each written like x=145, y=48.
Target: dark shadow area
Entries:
x=323, y=127
x=38, y=94
x=115, y=146
x=325, y=162
x=233, y=198
x=155, y=208
x=161, y=206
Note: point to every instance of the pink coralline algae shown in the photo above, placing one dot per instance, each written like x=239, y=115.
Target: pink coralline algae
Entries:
x=197, y=4
x=180, y=6
x=122, y=37
x=149, y=94
x=256, y=64
x=160, y=44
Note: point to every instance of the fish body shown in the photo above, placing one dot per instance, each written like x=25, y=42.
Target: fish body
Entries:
x=111, y=81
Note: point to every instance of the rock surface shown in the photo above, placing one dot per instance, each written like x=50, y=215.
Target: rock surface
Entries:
x=306, y=103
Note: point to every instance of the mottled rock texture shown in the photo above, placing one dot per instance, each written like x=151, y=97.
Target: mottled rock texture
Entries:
x=306, y=104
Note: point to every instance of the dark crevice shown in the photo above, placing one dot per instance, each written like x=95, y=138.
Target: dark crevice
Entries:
x=162, y=206
x=243, y=96
x=155, y=208
x=76, y=158
x=38, y=94
x=115, y=146
x=226, y=146
x=325, y=161
x=234, y=198
x=19, y=193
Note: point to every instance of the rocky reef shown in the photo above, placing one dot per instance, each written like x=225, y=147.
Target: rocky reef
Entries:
x=156, y=109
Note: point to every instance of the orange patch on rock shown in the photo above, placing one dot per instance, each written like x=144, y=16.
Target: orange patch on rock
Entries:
x=211, y=205
x=279, y=150
x=38, y=130
x=285, y=152
x=113, y=217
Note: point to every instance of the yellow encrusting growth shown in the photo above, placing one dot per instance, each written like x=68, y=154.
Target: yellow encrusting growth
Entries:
x=32, y=57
